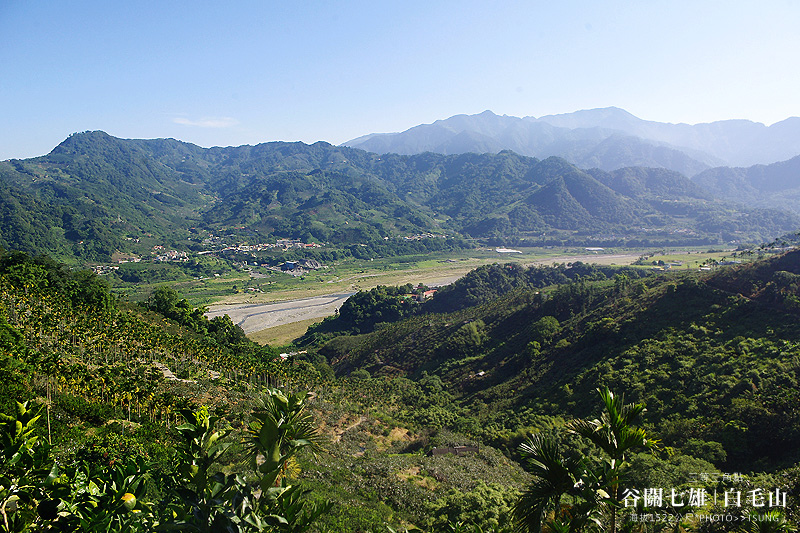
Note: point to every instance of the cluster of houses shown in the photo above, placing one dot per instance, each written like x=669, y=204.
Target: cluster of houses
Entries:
x=160, y=254
x=421, y=296
x=727, y=262
x=683, y=231
x=420, y=236
x=672, y=231
x=286, y=355
x=102, y=270
x=298, y=268
x=283, y=244
x=666, y=266
x=166, y=256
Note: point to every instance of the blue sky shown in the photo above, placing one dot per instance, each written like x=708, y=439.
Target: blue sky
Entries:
x=232, y=73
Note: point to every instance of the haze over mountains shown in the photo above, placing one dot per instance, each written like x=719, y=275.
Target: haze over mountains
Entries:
x=608, y=138
x=776, y=185
x=95, y=194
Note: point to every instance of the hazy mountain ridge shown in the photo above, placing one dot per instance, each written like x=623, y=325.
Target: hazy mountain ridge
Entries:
x=648, y=183
x=608, y=138
x=735, y=142
x=94, y=194
x=776, y=185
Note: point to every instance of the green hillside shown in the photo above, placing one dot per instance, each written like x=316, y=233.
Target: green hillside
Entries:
x=716, y=351
x=95, y=194
x=117, y=399
x=774, y=186
x=501, y=354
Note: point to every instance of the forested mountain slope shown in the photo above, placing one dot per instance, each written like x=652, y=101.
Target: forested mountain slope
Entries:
x=776, y=185
x=714, y=356
x=95, y=194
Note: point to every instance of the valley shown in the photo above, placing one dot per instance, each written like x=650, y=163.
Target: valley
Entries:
x=507, y=350
x=285, y=308
x=392, y=267
x=253, y=318
x=424, y=324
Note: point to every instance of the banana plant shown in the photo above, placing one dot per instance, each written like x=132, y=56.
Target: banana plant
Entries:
x=24, y=467
x=201, y=501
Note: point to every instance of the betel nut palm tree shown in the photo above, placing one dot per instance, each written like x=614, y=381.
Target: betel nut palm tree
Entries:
x=615, y=434
x=555, y=476
x=590, y=488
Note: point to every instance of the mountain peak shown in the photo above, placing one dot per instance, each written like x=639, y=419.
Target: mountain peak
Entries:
x=78, y=141
x=604, y=117
x=608, y=138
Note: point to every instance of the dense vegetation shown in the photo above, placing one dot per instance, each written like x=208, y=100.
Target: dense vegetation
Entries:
x=111, y=408
x=772, y=185
x=706, y=349
x=713, y=356
x=510, y=370
x=366, y=310
x=95, y=194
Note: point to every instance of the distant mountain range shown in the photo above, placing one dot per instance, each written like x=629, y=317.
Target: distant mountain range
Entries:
x=775, y=186
x=609, y=139
x=95, y=194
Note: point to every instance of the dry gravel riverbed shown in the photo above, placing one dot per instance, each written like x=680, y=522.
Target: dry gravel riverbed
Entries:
x=253, y=317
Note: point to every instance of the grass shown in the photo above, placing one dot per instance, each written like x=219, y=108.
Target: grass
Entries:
x=432, y=269
x=353, y=275
x=282, y=335
x=694, y=258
